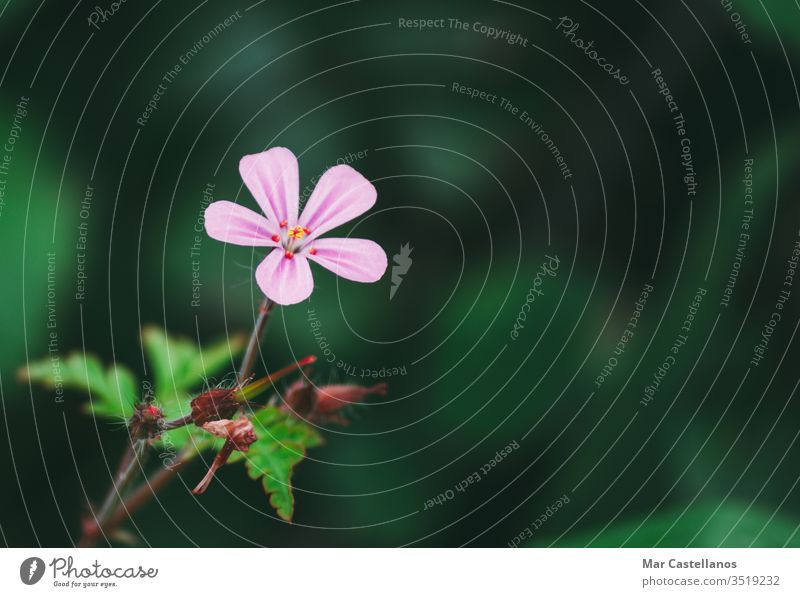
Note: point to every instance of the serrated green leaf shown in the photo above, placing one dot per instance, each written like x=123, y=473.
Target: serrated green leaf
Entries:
x=179, y=367
x=113, y=391
x=281, y=426
x=282, y=444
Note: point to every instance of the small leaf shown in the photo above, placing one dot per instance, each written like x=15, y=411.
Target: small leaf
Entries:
x=282, y=444
x=112, y=391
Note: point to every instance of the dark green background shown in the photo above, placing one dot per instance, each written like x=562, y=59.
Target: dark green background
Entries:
x=697, y=467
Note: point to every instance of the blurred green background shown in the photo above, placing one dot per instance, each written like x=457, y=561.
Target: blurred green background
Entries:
x=711, y=460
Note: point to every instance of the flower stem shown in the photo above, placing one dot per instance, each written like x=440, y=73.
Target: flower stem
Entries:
x=138, y=498
x=255, y=338
x=177, y=423
x=130, y=464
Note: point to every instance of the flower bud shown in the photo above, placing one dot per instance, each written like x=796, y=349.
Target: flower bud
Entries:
x=332, y=398
x=213, y=405
x=238, y=435
x=239, y=432
x=300, y=398
x=147, y=420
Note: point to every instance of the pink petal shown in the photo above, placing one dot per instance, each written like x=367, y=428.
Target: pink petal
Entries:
x=352, y=258
x=272, y=178
x=232, y=223
x=340, y=195
x=285, y=281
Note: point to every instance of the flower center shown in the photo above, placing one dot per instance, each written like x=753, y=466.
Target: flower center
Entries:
x=292, y=243
x=297, y=232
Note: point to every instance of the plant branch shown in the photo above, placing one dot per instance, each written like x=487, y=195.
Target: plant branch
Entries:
x=109, y=517
x=249, y=359
x=176, y=423
x=130, y=464
x=138, y=498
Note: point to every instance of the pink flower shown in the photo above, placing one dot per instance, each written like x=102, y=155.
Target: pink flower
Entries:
x=340, y=195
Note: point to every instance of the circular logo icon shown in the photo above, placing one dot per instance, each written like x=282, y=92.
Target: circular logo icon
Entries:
x=31, y=571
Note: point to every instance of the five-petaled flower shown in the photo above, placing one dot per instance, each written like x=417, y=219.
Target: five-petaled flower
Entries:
x=340, y=195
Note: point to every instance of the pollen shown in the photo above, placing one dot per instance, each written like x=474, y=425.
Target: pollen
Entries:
x=297, y=232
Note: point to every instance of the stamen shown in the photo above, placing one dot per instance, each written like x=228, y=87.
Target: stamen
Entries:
x=284, y=224
x=275, y=238
x=312, y=251
x=288, y=255
x=297, y=232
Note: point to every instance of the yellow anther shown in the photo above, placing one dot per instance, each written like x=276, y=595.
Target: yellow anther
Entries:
x=297, y=232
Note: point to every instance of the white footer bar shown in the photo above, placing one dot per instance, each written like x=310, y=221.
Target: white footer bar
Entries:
x=401, y=573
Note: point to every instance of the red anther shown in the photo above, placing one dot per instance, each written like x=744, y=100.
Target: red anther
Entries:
x=306, y=230
x=312, y=251
x=275, y=238
x=288, y=255
x=284, y=224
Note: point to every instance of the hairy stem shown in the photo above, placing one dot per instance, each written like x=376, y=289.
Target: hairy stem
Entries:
x=255, y=339
x=133, y=460
x=130, y=465
x=137, y=498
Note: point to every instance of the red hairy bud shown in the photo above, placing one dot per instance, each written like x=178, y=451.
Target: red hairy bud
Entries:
x=147, y=420
x=213, y=405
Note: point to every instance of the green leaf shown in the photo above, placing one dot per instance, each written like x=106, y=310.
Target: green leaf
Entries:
x=177, y=364
x=179, y=367
x=112, y=391
x=282, y=444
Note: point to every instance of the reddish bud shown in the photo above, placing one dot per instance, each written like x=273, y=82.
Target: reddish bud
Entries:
x=332, y=398
x=213, y=405
x=146, y=420
x=321, y=404
x=300, y=398
x=238, y=434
